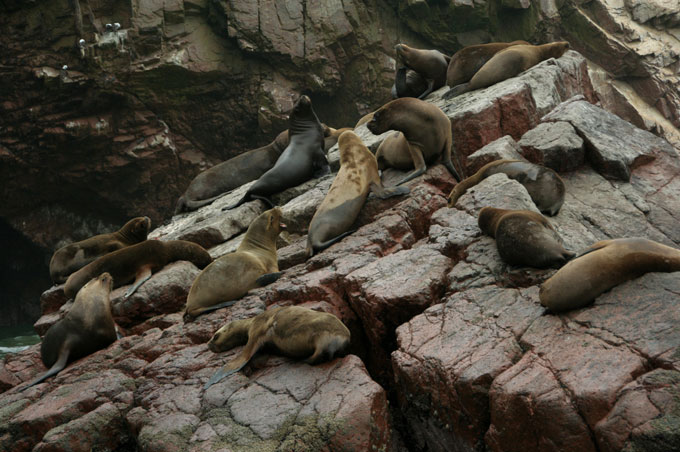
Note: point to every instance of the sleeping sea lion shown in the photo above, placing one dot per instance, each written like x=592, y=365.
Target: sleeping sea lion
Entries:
x=294, y=331
x=357, y=176
x=425, y=126
x=467, y=61
x=87, y=327
x=508, y=63
x=253, y=264
x=524, y=238
x=72, y=257
x=544, y=185
x=603, y=266
x=137, y=263
x=302, y=159
x=430, y=64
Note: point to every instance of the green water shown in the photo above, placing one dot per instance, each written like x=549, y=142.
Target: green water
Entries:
x=16, y=338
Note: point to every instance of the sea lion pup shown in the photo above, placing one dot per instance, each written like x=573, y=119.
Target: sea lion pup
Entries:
x=302, y=159
x=425, y=126
x=212, y=183
x=75, y=256
x=408, y=83
x=294, y=331
x=524, y=238
x=467, y=61
x=137, y=263
x=544, y=185
x=357, y=176
x=253, y=264
x=87, y=327
x=602, y=266
x=431, y=64
x=508, y=63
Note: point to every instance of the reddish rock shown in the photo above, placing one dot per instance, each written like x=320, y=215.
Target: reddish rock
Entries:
x=52, y=299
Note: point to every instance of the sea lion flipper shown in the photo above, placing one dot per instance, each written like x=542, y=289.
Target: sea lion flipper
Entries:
x=268, y=278
x=384, y=193
x=430, y=87
x=321, y=166
x=449, y=166
x=143, y=274
x=456, y=91
x=221, y=374
x=264, y=199
x=594, y=247
x=418, y=164
x=57, y=367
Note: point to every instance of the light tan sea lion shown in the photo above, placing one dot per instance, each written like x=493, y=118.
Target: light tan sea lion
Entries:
x=544, y=185
x=75, y=256
x=431, y=64
x=87, y=327
x=524, y=238
x=332, y=138
x=231, y=276
x=137, y=263
x=425, y=126
x=508, y=63
x=357, y=176
x=603, y=266
x=467, y=61
x=296, y=332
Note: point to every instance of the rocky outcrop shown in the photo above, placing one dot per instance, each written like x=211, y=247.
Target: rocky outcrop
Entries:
x=455, y=339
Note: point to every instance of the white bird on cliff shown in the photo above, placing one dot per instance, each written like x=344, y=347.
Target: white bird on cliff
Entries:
x=116, y=26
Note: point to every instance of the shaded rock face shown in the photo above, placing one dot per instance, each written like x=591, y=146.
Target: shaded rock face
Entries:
x=455, y=339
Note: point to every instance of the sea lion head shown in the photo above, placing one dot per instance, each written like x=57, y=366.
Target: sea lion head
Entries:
x=104, y=280
x=229, y=336
x=138, y=227
x=303, y=106
x=267, y=225
x=488, y=220
x=403, y=52
x=379, y=123
x=556, y=49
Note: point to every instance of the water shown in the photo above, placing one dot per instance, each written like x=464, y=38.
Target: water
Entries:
x=14, y=339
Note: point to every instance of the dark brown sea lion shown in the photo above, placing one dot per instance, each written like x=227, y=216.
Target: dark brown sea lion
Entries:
x=72, y=257
x=508, y=63
x=544, y=185
x=524, y=238
x=303, y=158
x=212, y=183
x=253, y=264
x=431, y=64
x=137, y=263
x=364, y=119
x=467, y=61
x=357, y=176
x=408, y=83
x=425, y=126
x=87, y=327
x=603, y=266
x=294, y=331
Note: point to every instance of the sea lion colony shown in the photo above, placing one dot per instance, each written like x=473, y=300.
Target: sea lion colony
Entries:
x=523, y=237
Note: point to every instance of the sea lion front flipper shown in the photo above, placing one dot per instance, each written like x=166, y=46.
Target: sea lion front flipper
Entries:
x=239, y=363
x=449, y=166
x=221, y=374
x=268, y=278
x=430, y=87
x=384, y=193
x=57, y=367
x=456, y=91
x=143, y=274
x=321, y=166
x=418, y=164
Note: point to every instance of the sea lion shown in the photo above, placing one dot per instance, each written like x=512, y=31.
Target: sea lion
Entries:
x=364, y=119
x=524, y=238
x=467, y=61
x=602, y=266
x=508, y=63
x=425, y=126
x=87, y=327
x=212, y=183
x=357, y=176
x=331, y=138
x=75, y=256
x=302, y=159
x=408, y=83
x=431, y=64
x=544, y=185
x=253, y=264
x=137, y=263
x=294, y=331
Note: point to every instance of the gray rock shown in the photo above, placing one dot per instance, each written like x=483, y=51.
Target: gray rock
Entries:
x=555, y=145
x=503, y=148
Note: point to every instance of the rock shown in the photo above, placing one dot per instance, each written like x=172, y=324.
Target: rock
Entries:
x=555, y=145
x=502, y=148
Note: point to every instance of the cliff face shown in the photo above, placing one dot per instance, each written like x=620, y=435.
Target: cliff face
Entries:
x=455, y=339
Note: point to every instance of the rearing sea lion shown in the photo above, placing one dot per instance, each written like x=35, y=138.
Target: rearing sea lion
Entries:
x=431, y=64
x=296, y=332
x=524, y=238
x=137, y=263
x=603, y=266
x=302, y=159
x=508, y=63
x=87, y=327
x=72, y=257
x=357, y=176
x=467, y=61
x=425, y=126
x=544, y=185
x=253, y=264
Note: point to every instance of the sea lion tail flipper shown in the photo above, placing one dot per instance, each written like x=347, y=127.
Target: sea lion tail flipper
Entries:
x=190, y=317
x=221, y=374
x=327, y=243
x=430, y=87
x=245, y=198
x=143, y=274
x=193, y=205
x=265, y=200
x=384, y=193
x=57, y=367
x=268, y=278
x=456, y=91
x=239, y=363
